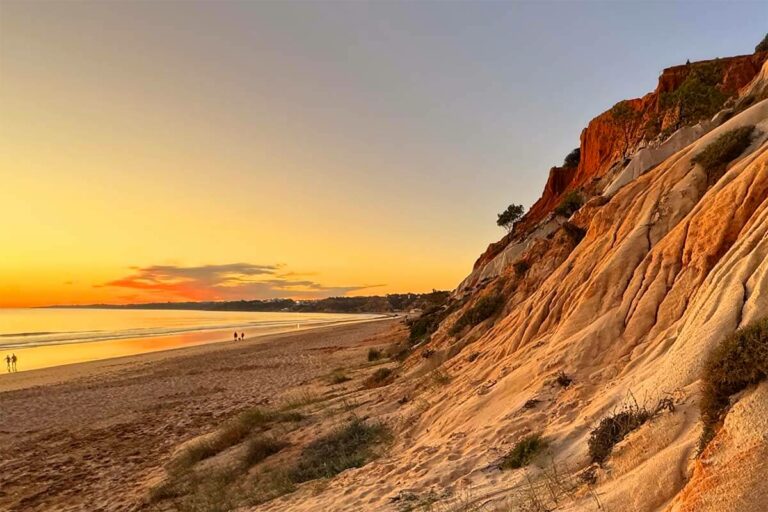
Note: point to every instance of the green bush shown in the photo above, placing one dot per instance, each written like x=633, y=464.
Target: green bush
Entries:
x=572, y=159
x=350, y=446
x=483, y=309
x=374, y=354
x=521, y=267
x=508, y=217
x=739, y=361
x=698, y=96
x=569, y=204
x=574, y=232
x=261, y=447
x=762, y=46
x=718, y=154
x=523, y=452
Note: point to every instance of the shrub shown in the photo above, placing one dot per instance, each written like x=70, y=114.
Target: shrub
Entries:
x=349, y=446
x=374, y=354
x=574, y=232
x=572, y=159
x=379, y=378
x=718, y=154
x=521, y=267
x=739, y=361
x=563, y=380
x=483, y=309
x=613, y=429
x=427, y=323
x=523, y=452
x=508, y=217
x=762, y=46
x=571, y=202
x=698, y=96
x=259, y=448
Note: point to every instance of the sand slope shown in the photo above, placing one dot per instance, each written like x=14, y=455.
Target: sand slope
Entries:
x=668, y=267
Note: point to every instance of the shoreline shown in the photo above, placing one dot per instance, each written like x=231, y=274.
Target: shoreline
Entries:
x=83, y=351
x=45, y=375
x=96, y=435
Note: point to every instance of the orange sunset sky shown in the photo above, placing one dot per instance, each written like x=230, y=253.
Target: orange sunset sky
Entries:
x=166, y=151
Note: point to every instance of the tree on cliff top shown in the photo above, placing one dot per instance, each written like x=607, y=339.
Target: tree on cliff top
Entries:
x=508, y=217
x=698, y=97
x=624, y=117
x=762, y=46
x=573, y=158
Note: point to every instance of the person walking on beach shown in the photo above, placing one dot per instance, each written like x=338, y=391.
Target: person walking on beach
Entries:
x=13, y=362
x=235, y=335
x=8, y=362
x=242, y=335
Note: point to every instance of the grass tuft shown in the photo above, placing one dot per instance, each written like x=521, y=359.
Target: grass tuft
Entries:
x=261, y=447
x=349, y=446
x=523, y=452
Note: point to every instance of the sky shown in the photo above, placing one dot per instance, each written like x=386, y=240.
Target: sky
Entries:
x=181, y=150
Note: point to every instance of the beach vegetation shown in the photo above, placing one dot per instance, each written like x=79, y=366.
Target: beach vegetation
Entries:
x=379, y=378
x=260, y=447
x=563, y=380
x=739, y=361
x=486, y=307
x=348, y=446
x=524, y=451
x=698, y=96
x=521, y=267
x=338, y=377
x=574, y=232
x=374, y=354
x=615, y=427
x=510, y=216
x=762, y=46
x=569, y=204
x=715, y=158
x=572, y=159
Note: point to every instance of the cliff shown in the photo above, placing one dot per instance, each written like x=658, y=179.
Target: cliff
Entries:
x=614, y=311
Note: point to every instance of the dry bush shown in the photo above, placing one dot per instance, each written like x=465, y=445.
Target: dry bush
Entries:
x=612, y=429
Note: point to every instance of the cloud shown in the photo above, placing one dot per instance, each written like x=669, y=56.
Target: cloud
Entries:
x=232, y=281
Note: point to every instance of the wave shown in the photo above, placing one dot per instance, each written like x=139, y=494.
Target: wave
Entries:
x=43, y=338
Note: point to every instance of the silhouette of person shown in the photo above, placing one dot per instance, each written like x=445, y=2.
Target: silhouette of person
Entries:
x=242, y=335
x=13, y=362
x=8, y=362
x=235, y=335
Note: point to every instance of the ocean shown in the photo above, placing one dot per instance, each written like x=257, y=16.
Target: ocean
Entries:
x=49, y=337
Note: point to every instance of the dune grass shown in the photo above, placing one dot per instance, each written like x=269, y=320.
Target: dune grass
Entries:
x=739, y=361
x=523, y=452
x=348, y=446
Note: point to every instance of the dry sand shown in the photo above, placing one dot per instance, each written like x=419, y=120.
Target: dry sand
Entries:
x=93, y=436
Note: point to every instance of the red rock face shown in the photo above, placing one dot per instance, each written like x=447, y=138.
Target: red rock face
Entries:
x=603, y=141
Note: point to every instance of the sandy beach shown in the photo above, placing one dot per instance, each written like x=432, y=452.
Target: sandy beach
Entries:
x=94, y=436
